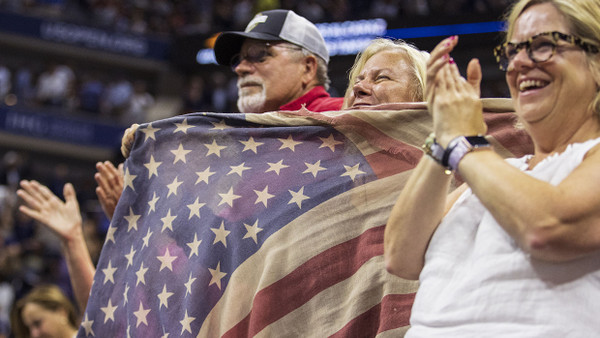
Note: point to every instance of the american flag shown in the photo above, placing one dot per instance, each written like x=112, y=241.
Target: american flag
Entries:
x=267, y=225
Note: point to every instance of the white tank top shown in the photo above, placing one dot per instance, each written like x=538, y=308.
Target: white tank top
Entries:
x=477, y=282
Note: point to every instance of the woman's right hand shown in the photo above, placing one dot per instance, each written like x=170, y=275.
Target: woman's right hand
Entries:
x=63, y=218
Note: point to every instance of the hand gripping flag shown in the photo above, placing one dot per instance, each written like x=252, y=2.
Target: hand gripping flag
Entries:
x=268, y=225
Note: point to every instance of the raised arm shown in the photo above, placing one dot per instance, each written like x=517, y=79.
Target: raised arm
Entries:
x=64, y=219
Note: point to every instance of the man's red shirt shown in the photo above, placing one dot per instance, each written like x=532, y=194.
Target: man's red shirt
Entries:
x=316, y=100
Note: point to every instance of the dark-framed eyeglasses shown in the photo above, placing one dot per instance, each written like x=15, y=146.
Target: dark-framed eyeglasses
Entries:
x=258, y=53
x=540, y=47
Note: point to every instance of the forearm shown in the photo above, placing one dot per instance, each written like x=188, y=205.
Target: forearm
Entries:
x=414, y=218
x=549, y=222
x=81, y=268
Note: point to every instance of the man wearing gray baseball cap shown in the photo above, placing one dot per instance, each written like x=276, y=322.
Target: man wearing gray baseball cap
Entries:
x=281, y=62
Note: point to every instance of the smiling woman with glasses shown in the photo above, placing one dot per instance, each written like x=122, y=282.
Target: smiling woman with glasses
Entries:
x=540, y=47
x=515, y=251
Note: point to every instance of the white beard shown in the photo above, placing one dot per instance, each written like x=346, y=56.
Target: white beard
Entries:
x=253, y=103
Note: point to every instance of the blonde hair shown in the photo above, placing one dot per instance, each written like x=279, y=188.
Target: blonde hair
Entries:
x=47, y=296
x=582, y=16
x=416, y=58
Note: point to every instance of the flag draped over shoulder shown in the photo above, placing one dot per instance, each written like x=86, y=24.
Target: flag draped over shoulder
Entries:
x=267, y=225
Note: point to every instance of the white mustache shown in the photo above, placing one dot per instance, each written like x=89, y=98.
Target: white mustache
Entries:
x=249, y=80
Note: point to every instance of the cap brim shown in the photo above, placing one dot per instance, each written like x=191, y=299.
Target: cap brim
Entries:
x=229, y=44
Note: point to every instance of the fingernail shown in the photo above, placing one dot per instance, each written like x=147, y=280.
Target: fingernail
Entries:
x=447, y=44
x=445, y=57
x=453, y=37
x=451, y=61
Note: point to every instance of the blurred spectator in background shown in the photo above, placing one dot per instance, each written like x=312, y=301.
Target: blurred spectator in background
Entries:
x=23, y=80
x=387, y=9
x=116, y=98
x=90, y=92
x=5, y=82
x=220, y=95
x=140, y=103
x=53, y=84
x=44, y=312
x=196, y=96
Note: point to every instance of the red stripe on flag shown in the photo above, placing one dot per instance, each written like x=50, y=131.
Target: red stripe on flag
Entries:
x=393, y=312
x=317, y=274
x=385, y=164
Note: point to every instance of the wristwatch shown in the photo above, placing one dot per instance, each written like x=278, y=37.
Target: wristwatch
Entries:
x=433, y=149
x=459, y=147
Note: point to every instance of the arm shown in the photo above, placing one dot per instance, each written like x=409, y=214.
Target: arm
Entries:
x=552, y=223
x=110, y=186
x=64, y=219
x=424, y=201
x=414, y=218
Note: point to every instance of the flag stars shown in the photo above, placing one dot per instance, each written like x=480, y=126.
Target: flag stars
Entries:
x=109, y=273
x=141, y=315
x=298, y=197
x=252, y=231
x=129, y=257
x=204, y=175
x=329, y=142
x=87, y=326
x=125, y=296
x=238, y=169
x=164, y=297
x=313, y=168
x=132, y=220
x=109, y=311
x=180, y=154
x=263, y=196
x=173, y=186
x=182, y=127
x=217, y=275
x=229, y=197
x=152, y=167
x=166, y=260
x=185, y=323
x=195, y=208
x=140, y=275
x=168, y=221
x=221, y=125
x=194, y=246
x=146, y=238
x=188, y=285
x=214, y=148
x=110, y=234
x=152, y=203
x=150, y=132
x=251, y=145
x=288, y=143
x=221, y=234
x=352, y=172
x=128, y=179
x=276, y=167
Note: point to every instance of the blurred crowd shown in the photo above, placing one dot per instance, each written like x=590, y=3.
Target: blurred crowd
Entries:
x=168, y=17
x=64, y=88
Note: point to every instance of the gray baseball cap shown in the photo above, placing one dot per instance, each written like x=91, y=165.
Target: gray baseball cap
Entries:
x=273, y=25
